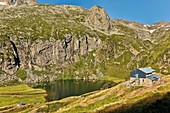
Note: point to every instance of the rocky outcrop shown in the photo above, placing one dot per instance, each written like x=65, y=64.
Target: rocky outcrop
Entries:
x=9, y=60
x=17, y=2
x=98, y=19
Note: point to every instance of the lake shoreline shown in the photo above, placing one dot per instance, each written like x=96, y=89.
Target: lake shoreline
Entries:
x=65, y=88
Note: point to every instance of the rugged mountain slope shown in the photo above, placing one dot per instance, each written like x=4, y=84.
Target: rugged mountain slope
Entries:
x=158, y=36
x=45, y=42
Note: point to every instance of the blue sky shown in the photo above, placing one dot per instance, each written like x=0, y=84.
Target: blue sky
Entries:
x=144, y=11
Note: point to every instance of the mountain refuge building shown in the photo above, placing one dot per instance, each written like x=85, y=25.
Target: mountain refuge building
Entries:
x=143, y=76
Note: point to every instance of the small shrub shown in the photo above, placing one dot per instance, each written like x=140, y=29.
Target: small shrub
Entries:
x=22, y=74
x=41, y=73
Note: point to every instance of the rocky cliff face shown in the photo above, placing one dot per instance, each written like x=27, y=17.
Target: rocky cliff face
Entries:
x=40, y=55
x=55, y=52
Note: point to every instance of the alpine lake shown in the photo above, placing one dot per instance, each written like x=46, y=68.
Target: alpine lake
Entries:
x=65, y=88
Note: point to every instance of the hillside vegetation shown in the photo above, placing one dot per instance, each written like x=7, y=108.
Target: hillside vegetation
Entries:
x=10, y=96
x=122, y=98
x=41, y=43
x=70, y=42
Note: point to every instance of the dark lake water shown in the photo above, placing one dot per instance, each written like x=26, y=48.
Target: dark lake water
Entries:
x=64, y=88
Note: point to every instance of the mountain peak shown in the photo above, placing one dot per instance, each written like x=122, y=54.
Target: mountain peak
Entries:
x=96, y=7
x=98, y=18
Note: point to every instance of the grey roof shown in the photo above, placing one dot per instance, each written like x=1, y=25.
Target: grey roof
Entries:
x=153, y=77
x=133, y=73
x=146, y=70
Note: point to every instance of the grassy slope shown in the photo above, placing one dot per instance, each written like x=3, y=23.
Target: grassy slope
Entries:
x=117, y=99
x=11, y=95
x=158, y=56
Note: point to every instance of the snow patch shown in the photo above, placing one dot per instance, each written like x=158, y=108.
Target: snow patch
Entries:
x=151, y=31
x=145, y=25
x=3, y=3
